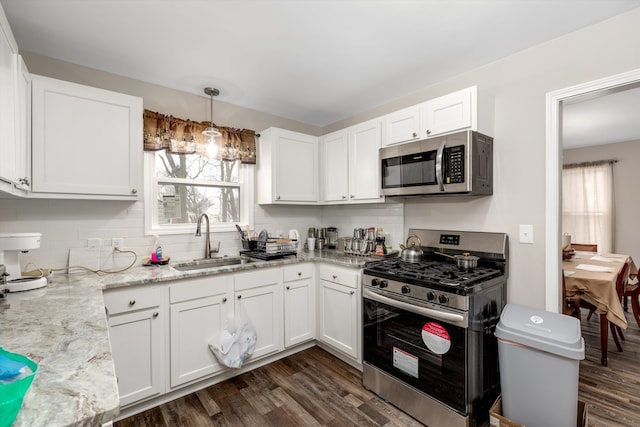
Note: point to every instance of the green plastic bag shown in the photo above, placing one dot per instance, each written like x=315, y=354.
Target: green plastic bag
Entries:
x=11, y=394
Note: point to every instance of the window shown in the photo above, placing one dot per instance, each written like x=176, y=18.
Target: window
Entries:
x=180, y=187
x=587, y=203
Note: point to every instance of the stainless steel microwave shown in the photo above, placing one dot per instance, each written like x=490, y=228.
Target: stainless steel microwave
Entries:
x=460, y=163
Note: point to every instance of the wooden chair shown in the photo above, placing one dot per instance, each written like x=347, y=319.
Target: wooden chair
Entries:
x=585, y=247
x=571, y=303
x=632, y=291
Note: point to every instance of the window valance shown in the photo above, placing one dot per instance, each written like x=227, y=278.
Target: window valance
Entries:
x=179, y=136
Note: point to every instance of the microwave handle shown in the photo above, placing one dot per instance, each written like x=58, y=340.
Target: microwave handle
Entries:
x=439, y=165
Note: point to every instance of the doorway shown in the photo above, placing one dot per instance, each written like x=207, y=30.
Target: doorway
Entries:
x=553, y=214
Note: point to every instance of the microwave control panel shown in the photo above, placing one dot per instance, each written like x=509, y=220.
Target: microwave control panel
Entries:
x=455, y=164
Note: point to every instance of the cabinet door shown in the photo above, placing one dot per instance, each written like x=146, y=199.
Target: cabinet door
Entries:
x=401, y=126
x=193, y=324
x=23, y=126
x=339, y=317
x=364, y=168
x=296, y=168
x=86, y=141
x=137, y=342
x=8, y=55
x=299, y=311
x=451, y=112
x=335, y=161
x=263, y=306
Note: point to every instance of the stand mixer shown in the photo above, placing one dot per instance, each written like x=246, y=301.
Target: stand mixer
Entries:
x=11, y=244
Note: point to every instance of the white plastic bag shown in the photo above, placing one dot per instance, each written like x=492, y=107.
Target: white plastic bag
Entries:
x=236, y=341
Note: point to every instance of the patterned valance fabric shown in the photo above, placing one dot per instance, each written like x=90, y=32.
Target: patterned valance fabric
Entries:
x=179, y=136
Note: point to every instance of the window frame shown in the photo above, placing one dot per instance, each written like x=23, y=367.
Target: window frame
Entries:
x=245, y=185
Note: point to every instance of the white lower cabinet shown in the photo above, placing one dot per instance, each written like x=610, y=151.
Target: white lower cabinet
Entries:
x=339, y=312
x=299, y=304
x=259, y=294
x=137, y=333
x=199, y=308
x=160, y=334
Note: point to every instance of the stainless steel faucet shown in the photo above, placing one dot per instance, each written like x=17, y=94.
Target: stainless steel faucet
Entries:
x=207, y=239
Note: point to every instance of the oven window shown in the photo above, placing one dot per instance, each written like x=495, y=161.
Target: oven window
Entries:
x=419, y=169
x=391, y=173
x=432, y=362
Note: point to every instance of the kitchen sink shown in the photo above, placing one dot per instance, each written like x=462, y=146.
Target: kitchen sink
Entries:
x=200, y=264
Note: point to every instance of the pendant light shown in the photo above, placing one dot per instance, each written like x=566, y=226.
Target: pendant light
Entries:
x=208, y=147
x=211, y=132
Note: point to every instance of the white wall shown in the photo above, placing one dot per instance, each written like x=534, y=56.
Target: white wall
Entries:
x=512, y=110
x=626, y=183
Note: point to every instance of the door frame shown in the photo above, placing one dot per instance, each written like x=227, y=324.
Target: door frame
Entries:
x=553, y=190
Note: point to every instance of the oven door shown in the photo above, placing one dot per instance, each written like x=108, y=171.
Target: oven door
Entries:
x=424, y=351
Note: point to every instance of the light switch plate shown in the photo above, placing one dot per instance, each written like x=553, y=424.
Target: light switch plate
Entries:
x=526, y=234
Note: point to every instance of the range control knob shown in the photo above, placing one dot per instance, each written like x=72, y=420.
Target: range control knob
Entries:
x=375, y=282
x=406, y=289
x=431, y=296
x=383, y=283
x=443, y=299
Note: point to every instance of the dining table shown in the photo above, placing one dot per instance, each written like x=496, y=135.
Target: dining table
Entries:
x=594, y=276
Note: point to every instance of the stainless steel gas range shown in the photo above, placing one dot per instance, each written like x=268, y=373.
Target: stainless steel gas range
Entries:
x=428, y=328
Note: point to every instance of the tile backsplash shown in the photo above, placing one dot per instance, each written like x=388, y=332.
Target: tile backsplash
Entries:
x=67, y=224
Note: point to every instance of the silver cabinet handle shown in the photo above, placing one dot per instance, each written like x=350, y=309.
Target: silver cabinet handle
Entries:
x=132, y=302
x=299, y=273
x=239, y=296
x=134, y=191
x=277, y=197
x=428, y=132
x=224, y=300
x=353, y=197
x=344, y=197
x=352, y=292
x=155, y=314
x=414, y=134
x=288, y=287
x=334, y=277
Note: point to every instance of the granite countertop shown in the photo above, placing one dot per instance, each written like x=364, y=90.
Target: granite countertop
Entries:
x=63, y=328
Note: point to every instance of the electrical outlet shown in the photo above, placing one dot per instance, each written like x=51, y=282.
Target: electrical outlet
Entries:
x=94, y=242
x=117, y=243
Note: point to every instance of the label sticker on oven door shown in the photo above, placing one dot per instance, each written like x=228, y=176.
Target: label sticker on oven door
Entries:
x=408, y=363
x=436, y=338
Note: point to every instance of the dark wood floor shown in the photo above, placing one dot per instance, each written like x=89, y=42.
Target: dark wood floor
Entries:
x=310, y=388
x=313, y=388
x=612, y=393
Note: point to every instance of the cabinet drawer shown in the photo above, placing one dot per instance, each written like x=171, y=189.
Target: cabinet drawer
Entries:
x=344, y=276
x=203, y=287
x=297, y=272
x=132, y=299
x=256, y=278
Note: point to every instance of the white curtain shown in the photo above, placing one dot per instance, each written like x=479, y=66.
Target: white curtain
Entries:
x=587, y=203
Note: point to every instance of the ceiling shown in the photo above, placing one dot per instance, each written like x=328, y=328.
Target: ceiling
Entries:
x=314, y=61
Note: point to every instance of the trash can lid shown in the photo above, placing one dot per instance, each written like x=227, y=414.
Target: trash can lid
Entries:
x=543, y=330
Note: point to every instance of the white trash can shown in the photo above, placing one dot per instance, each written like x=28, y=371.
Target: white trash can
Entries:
x=539, y=354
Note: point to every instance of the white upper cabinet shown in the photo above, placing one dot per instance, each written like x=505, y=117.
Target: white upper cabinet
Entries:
x=86, y=142
x=364, y=169
x=449, y=113
x=401, y=126
x=23, y=126
x=8, y=98
x=335, y=166
x=287, y=170
x=350, y=164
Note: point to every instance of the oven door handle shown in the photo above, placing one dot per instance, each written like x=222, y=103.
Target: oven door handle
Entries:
x=423, y=311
